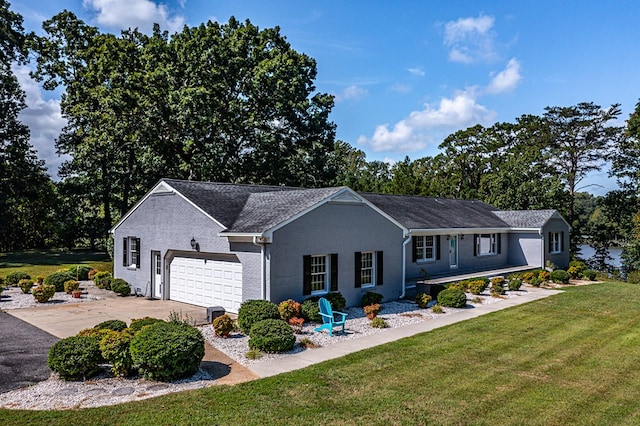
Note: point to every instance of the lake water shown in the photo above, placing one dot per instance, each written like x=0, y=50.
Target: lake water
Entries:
x=586, y=251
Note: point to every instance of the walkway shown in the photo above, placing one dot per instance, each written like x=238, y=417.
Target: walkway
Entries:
x=314, y=356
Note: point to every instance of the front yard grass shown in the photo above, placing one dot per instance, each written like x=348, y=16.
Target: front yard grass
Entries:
x=573, y=358
x=44, y=262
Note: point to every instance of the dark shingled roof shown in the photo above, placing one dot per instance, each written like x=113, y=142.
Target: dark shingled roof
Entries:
x=525, y=218
x=415, y=212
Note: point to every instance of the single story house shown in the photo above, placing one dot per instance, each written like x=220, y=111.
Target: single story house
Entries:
x=219, y=244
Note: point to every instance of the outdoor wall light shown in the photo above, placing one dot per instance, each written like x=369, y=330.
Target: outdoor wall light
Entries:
x=194, y=244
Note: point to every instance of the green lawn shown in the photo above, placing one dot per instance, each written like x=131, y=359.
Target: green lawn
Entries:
x=36, y=262
x=571, y=359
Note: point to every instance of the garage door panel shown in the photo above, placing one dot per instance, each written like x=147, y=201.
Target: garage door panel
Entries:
x=206, y=283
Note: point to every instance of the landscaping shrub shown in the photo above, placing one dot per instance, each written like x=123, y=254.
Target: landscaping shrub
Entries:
x=578, y=266
x=311, y=310
x=167, y=351
x=495, y=281
x=70, y=286
x=371, y=311
x=92, y=273
x=437, y=309
x=337, y=301
x=114, y=325
x=103, y=280
x=252, y=311
x=633, y=277
x=223, y=326
x=288, y=309
x=120, y=286
x=96, y=333
x=514, y=284
x=476, y=286
x=371, y=298
x=378, y=322
x=589, y=274
x=544, y=276
x=43, y=292
x=57, y=279
x=80, y=272
x=114, y=347
x=573, y=272
x=25, y=285
x=271, y=335
x=296, y=324
x=460, y=285
x=423, y=299
x=452, y=298
x=497, y=286
x=560, y=276
x=75, y=357
x=13, y=278
x=137, y=324
x=536, y=282
x=528, y=276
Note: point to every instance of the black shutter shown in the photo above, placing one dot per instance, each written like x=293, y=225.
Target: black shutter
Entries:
x=334, y=272
x=379, y=268
x=475, y=244
x=499, y=242
x=358, y=269
x=139, y=253
x=414, y=247
x=550, y=243
x=437, y=238
x=562, y=241
x=306, y=275
x=124, y=252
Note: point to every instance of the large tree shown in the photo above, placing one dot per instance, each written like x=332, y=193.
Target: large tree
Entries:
x=25, y=190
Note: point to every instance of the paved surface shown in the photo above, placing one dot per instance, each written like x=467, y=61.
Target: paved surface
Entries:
x=306, y=358
x=23, y=353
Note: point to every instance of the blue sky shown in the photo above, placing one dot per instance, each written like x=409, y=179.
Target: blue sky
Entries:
x=407, y=73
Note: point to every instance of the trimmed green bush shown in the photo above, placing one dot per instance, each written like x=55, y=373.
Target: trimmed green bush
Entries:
x=120, y=286
x=76, y=357
x=167, y=351
x=288, y=309
x=337, y=300
x=371, y=298
x=459, y=285
x=80, y=272
x=497, y=287
x=57, y=279
x=589, y=274
x=560, y=276
x=103, y=280
x=252, y=311
x=311, y=310
x=476, y=286
x=378, y=322
x=423, y=299
x=544, y=276
x=222, y=326
x=452, y=298
x=13, y=278
x=25, y=285
x=633, y=277
x=43, y=292
x=115, y=325
x=70, y=286
x=114, y=347
x=437, y=309
x=137, y=324
x=514, y=284
x=271, y=335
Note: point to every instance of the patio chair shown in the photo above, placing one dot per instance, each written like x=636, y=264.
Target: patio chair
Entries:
x=329, y=317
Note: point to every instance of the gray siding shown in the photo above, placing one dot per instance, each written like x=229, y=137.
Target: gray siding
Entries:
x=166, y=223
x=525, y=248
x=561, y=260
x=340, y=228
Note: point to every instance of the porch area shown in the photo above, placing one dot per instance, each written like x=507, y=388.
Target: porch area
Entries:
x=454, y=276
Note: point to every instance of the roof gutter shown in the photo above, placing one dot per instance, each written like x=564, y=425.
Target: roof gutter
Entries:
x=404, y=264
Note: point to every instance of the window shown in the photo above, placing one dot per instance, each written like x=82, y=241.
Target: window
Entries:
x=487, y=244
x=556, y=242
x=426, y=248
x=368, y=268
x=320, y=273
x=131, y=252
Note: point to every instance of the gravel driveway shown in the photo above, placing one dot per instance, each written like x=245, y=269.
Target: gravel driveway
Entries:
x=23, y=353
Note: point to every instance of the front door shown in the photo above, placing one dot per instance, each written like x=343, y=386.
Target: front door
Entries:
x=453, y=251
x=156, y=274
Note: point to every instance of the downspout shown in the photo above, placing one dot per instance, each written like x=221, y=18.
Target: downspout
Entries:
x=404, y=264
x=263, y=268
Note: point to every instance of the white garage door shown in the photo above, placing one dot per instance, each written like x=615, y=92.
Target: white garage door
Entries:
x=206, y=283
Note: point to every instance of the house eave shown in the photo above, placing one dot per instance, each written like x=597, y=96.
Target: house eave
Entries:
x=454, y=231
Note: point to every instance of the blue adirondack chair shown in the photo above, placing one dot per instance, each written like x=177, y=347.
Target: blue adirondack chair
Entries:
x=329, y=318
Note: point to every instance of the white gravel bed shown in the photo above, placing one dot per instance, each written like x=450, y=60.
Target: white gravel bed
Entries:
x=14, y=298
x=396, y=314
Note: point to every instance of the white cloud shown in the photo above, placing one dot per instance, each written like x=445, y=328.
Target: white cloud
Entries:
x=470, y=39
x=44, y=119
x=401, y=88
x=507, y=79
x=141, y=14
x=416, y=131
x=352, y=92
x=417, y=71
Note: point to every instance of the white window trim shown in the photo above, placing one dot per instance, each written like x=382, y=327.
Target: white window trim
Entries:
x=492, y=243
x=327, y=274
x=556, y=244
x=373, y=268
x=422, y=242
x=130, y=259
